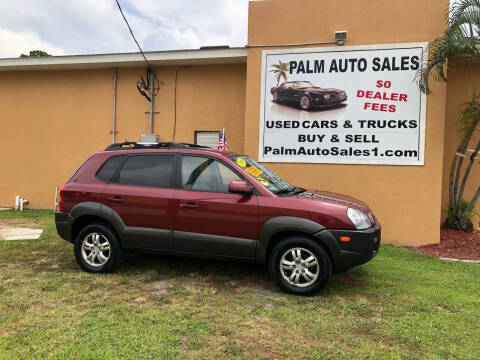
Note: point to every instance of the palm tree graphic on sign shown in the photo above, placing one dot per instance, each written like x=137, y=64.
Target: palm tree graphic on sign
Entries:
x=280, y=70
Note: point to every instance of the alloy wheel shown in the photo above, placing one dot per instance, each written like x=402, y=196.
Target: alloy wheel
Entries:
x=299, y=267
x=95, y=249
x=304, y=102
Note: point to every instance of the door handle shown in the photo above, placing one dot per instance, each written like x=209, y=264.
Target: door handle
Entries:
x=189, y=205
x=116, y=199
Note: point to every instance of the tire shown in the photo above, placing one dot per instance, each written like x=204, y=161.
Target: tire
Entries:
x=283, y=253
x=99, y=239
x=305, y=102
x=275, y=97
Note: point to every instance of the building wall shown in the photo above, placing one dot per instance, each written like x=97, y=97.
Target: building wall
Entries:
x=406, y=199
x=51, y=121
x=461, y=86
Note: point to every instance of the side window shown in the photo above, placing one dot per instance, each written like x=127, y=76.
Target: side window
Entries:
x=147, y=170
x=109, y=168
x=206, y=174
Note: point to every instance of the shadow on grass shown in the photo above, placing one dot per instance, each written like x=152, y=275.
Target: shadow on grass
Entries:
x=220, y=274
x=226, y=272
x=166, y=265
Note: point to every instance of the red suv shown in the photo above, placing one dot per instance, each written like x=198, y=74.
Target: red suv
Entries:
x=191, y=200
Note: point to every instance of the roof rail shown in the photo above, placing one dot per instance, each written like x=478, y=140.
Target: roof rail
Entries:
x=130, y=145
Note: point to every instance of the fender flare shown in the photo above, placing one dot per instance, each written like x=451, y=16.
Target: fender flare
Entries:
x=101, y=211
x=281, y=224
x=85, y=208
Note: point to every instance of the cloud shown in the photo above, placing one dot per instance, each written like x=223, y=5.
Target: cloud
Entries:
x=15, y=43
x=96, y=26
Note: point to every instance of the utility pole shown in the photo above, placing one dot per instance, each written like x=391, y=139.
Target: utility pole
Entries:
x=149, y=91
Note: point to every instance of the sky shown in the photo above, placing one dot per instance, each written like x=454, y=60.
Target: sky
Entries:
x=72, y=27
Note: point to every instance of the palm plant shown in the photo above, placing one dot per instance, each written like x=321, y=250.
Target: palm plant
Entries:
x=280, y=70
x=460, y=40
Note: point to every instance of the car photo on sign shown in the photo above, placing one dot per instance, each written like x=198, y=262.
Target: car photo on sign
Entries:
x=307, y=96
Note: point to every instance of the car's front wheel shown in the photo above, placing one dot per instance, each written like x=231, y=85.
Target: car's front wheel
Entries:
x=97, y=249
x=299, y=265
x=305, y=102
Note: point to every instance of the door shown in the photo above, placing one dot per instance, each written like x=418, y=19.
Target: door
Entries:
x=282, y=91
x=141, y=193
x=294, y=92
x=210, y=220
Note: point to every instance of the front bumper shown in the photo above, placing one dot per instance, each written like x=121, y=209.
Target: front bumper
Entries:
x=362, y=247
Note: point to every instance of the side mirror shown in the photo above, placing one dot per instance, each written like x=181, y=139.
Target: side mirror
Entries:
x=240, y=187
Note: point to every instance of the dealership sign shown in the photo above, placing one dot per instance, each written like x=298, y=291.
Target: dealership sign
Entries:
x=345, y=105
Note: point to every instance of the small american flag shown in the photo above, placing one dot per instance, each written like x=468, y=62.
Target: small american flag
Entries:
x=222, y=141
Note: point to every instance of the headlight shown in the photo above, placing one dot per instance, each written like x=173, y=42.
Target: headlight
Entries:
x=359, y=219
x=326, y=96
x=343, y=93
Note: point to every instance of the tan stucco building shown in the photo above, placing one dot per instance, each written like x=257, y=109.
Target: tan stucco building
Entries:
x=56, y=111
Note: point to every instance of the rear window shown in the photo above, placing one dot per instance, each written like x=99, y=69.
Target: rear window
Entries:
x=147, y=170
x=109, y=168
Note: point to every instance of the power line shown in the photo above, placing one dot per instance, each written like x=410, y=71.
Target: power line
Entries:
x=131, y=32
x=141, y=85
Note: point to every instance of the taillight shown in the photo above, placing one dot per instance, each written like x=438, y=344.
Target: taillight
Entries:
x=60, y=203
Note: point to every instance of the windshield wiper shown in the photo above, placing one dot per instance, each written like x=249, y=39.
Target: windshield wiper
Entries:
x=284, y=191
x=299, y=190
x=295, y=190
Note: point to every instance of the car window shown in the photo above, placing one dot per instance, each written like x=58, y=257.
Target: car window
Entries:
x=147, y=170
x=206, y=174
x=303, y=84
x=109, y=168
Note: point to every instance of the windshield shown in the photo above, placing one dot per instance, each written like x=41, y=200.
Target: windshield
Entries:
x=264, y=176
x=303, y=84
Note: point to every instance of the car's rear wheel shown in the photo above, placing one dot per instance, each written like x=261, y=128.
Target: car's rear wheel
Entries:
x=305, y=102
x=97, y=249
x=299, y=265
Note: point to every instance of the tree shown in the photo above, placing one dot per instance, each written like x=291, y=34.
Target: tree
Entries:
x=460, y=40
x=35, y=53
x=280, y=70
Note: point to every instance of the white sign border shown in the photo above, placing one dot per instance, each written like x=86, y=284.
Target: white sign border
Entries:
x=309, y=160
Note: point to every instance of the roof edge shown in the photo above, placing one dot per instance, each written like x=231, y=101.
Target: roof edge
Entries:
x=99, y=61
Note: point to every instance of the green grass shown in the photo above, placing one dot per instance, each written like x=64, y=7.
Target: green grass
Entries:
x=401, y=305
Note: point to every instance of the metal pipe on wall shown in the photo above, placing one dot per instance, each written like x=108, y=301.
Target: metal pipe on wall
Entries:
x=114, y=113
x=175, y=105
x=150, y=117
